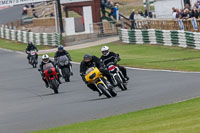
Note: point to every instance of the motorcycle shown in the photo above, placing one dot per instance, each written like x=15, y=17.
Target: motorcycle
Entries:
x=117, y=76
x=51, y=76
x=33, y=59
x=94, y=76
x=63, y=65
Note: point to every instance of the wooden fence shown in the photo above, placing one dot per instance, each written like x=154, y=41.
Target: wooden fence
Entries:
x=166, y=24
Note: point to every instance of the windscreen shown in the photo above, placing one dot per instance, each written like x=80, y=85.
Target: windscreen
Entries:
x=48, y=66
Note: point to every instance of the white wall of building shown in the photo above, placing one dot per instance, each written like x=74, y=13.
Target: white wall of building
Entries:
x=163, y=8
x=69, y=26
x=87, y=12
x=88, y=22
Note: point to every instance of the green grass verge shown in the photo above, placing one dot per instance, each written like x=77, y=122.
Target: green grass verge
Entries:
x=181, y=117
x=6, y=44
x=148, y=56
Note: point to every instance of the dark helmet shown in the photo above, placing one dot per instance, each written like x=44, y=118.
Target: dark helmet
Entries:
x=30, y=43
x=87, y=58
x=60, y=47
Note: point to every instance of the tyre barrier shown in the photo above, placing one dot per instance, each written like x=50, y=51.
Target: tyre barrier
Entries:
x=52, y=39
x=162, y=37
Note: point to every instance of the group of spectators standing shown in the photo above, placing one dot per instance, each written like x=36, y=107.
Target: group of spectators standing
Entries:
x=137, y=15
x=114, y=10
x=34, y=12
x=25, y=10
x=188, y=12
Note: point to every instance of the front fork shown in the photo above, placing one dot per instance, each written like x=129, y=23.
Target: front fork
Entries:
x=101, y=82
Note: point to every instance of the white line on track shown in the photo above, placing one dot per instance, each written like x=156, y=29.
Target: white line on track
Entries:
x=130, y=68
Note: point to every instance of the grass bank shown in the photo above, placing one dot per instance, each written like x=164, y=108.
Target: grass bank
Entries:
x=140, y=56
x=148, y=56
x=11, y=45
x=181, y=117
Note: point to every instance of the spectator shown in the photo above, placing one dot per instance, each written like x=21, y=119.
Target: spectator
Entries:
x=52, y=15
x=195, y=13
x=25, y=11
x=111, y=8
x=187, y=2
x=103, y=5
x=174, y=13
x=141, y=13
x=185, y=14
x=196, y=5
x=108, y=4
x=35, y=15
x=187, y=6
x=132, y=19
x=115, y=11
x=32, y=5
x=148, y=15
x=178, y=13
x=137, y=16
x=27, y=6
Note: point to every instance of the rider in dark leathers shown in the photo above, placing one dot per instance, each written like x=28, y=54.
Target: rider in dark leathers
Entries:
x=92, y=61
x=62, y=52
x=45, y=60
x=29, y=48
x=108, y=57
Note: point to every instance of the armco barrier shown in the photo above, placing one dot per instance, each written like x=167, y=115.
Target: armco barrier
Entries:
x=163, y=37
x=52, y=39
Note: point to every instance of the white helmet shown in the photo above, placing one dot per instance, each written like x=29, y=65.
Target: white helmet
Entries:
x=45, y=58
x=105, y=49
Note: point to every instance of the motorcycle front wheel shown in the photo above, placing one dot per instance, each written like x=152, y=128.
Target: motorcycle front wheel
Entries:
x=104, y=91
x=55, y=86
x=66, y=74
x=120, y=83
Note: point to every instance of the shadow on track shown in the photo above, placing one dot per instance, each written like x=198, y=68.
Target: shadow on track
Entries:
x=50, y=94
x=96, y=99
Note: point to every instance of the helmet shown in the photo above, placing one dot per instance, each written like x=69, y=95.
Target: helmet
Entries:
x=87, y=58
x=45, y=58
x=60, y=47
x=30, y=43
x=105, y=50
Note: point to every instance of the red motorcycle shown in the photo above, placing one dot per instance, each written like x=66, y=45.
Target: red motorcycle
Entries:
x=51, y=76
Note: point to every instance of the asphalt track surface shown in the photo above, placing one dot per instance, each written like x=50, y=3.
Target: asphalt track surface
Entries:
x=26, y=105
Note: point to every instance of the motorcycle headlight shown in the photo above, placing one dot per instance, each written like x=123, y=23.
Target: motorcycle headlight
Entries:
x=50, y=72
x=92, y=76
x=61, y=64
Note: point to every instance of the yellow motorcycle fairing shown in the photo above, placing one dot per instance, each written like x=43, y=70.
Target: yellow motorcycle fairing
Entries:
x=92, y=75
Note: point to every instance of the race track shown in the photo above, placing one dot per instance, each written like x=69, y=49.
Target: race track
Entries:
x=26, y=105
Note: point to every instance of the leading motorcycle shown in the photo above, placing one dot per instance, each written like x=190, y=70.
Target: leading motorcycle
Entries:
x=94, y=76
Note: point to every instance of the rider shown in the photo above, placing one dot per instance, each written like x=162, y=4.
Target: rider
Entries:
x=29, y=48
x=92, y=61
x=108, y=57
x=45, y=60
x=62, y=52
